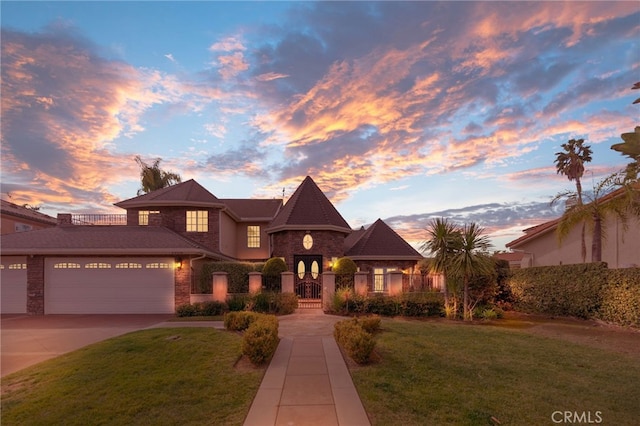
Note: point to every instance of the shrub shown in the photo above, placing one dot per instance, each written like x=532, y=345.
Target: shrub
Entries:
x=238, y=302
x=339, y=300
x=356, y=341
x=369, y=324
x=260, y=340
x=187, y=310
x=286, y=303
x=423, y=304
x=239, y=321
x=384, y=305
x=237, y=274
x=264, y=302
x=274, y=267
x=566, y=290
x=202, y=309
x=621, y=297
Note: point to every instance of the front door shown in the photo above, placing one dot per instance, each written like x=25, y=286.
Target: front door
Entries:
x=308, y=280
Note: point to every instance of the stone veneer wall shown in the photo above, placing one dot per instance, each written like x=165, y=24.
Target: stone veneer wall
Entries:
x=182, y=284
x=326, y=243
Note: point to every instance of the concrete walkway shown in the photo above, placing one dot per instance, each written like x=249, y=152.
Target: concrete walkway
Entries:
x=307, y=382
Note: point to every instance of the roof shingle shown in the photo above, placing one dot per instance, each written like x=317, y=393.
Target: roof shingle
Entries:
x=380, y=241
x=186, y=193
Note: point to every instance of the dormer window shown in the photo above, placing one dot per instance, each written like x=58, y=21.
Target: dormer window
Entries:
x=197, y=221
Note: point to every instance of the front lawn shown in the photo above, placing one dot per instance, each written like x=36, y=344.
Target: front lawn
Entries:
x=151, y=377
x=432, y=373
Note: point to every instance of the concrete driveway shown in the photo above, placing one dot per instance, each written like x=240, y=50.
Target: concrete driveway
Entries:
x=28, y=340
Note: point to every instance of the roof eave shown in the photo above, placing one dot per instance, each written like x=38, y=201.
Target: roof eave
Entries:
x=381, y=257
x=110, y=252
x=280, y=228
x=168, y=203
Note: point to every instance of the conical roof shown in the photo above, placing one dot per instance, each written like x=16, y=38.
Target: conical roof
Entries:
x=309, y=209
x=380, y=241
x=188, y=193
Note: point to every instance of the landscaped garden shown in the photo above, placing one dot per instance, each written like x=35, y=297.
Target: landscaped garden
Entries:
x=442, y=372
x=152, y=377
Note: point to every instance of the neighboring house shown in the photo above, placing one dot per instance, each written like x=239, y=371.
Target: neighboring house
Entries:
x=15, y=218
x=149, y=264
x=540, y=245
x=514, y=259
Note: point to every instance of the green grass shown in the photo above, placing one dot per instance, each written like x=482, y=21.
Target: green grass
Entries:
x=152, y=377
x=436, y=374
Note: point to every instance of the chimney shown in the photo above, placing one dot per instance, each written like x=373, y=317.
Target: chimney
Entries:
x=64, y=219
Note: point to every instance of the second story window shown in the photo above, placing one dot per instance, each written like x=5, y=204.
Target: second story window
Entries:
x=143, y=216
x=197, y=221
x=253, y=236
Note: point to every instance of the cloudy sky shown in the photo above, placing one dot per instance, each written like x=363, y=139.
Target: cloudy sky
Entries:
x=403, y=111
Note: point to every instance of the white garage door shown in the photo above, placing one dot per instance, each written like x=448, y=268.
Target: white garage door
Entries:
x=109, y=286
x=13, y=284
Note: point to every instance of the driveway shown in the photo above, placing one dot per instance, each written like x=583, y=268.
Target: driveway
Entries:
x=28, y=340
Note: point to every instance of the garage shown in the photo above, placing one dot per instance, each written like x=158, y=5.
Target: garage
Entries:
x=13, y=279
x=109, y=285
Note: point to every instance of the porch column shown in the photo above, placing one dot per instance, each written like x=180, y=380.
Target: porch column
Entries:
x=328, y=289
x=220, y=286
x=255, y=282
x=395, y=282
x=360, y=283
x=287, y=282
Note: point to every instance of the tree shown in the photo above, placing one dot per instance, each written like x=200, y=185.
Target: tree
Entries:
x=153, y=177
x=471, y=259
x=460, y=253
x=612, y=195
x=631, y=147
x=570, y=163
x=442, y=237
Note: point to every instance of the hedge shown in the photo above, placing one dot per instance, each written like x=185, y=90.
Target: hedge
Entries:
x=345, y=301
x=355, y=340
x=238, y=275
x=589, y=290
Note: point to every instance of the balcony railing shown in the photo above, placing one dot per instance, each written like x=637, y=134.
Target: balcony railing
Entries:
x=98, y=219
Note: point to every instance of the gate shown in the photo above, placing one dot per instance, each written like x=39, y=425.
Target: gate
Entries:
x=309, y=291
x=308, y=281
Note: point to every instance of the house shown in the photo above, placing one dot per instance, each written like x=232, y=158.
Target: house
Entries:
x=540, y=245
x=15, y=218
x=148, y=263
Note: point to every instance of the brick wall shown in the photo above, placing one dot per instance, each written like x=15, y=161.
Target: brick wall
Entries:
x=35, y=285
x=182, y=278
x=326, y=243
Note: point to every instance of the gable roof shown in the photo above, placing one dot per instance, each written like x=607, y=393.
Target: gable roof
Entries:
x=379, y=241
x=309, y=209
x=102, y=240
x=546, y=227
x=248, y=210
x=11, y=209
x=188, y=193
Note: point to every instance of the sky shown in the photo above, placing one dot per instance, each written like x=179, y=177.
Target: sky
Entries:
x=404, y=111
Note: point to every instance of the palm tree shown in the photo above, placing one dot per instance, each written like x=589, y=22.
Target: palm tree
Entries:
x=442, y=242
x=471, y=259
x=613, y=195
x=153, y=177
x=571, y=164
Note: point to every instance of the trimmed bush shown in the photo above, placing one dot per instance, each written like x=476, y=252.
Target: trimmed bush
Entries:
x=206, y=309
x=260, y=340
x=355, y=340
x=274, y=267
x=423, y=304
x=369, y=324
x=237, y=274
x=621, y=297
x=239, y=321
x=384, y=305
x=238, y=302
x=286, y=303
x=565, y=290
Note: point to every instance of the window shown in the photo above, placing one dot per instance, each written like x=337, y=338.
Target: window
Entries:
x=97, y=265
x=66, y=265
x=22, y=227
x=143, y=216
x=18, y=266
x=158, y=266
x=127, y=265
x=253, y=236
x=198, y=221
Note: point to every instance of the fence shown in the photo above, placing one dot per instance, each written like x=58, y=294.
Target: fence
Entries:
x=417, y=283
x=98, y=219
